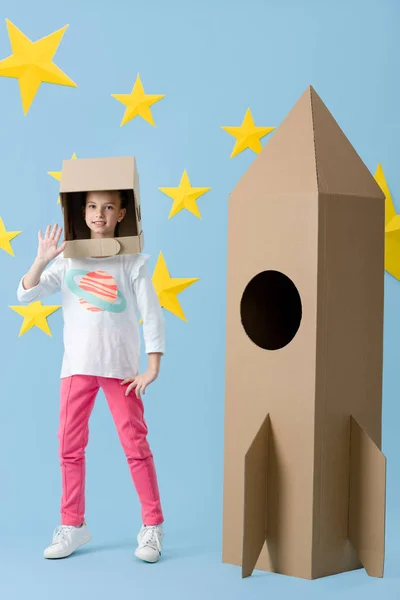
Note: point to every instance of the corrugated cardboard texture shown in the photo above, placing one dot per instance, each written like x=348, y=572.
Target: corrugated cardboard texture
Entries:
x=331, y=246
x=367, y=500
x=340, y=170
x=99, y=247
x=255, y=499
x=82, y=175
x=349, y=361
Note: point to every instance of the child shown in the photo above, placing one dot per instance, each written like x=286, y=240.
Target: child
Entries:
x=101, y=298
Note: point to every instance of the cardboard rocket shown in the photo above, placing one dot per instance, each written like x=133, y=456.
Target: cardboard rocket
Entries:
x=100, y=174
x=304, y=476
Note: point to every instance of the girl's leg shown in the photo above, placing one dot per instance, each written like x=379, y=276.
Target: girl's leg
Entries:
x=78, y=394
x=128, y=415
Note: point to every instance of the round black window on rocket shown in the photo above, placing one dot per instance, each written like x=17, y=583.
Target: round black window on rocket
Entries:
x=271, y=310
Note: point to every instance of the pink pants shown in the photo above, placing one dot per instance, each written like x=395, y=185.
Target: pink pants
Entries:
x=78, y=394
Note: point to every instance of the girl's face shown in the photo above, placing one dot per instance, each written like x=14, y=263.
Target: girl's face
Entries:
x=102, y=212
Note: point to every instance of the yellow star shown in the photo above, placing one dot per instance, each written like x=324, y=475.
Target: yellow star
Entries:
x=6, y=237
x=137, y=103
x=184, y=196
x=248, y=135
x=32, y=63
x=392, y=227
x=35, y=314
x=168, y=287
x=57, y=174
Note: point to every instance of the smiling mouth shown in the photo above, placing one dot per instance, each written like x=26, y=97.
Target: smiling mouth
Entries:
x=99, y=223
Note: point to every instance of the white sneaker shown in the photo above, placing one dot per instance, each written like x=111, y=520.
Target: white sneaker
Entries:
x=150, y=539
x=66, y=539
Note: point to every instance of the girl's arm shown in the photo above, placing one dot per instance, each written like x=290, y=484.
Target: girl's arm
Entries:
x=153, y=329
x=40, y=282
x=153, y=366
x=152, y=315
x=32, y=278
x=48, y=282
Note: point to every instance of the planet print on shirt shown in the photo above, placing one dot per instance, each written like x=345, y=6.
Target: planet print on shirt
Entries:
x=97, y=291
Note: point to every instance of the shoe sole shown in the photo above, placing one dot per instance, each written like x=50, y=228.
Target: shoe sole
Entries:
x=66, y=554
x=146, y=559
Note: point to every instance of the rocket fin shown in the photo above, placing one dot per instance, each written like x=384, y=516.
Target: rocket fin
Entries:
x=367, y=500
x=255, y=499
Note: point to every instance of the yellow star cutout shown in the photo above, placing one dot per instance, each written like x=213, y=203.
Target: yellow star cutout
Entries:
x=35, y=314
x=184, y=196
x=32, y=63
x=137, y=103
x=57, y=174
x=6, y=237
x=168, y=287
x=248, y=135
x=392, y=227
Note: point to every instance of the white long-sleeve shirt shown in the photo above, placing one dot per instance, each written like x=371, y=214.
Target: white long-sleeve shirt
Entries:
x=101, y=301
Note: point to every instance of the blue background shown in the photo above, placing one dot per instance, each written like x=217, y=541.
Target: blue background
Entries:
x=212, y=59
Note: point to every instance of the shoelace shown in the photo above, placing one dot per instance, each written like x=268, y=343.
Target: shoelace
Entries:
x=59, y=534
x=151, y=538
